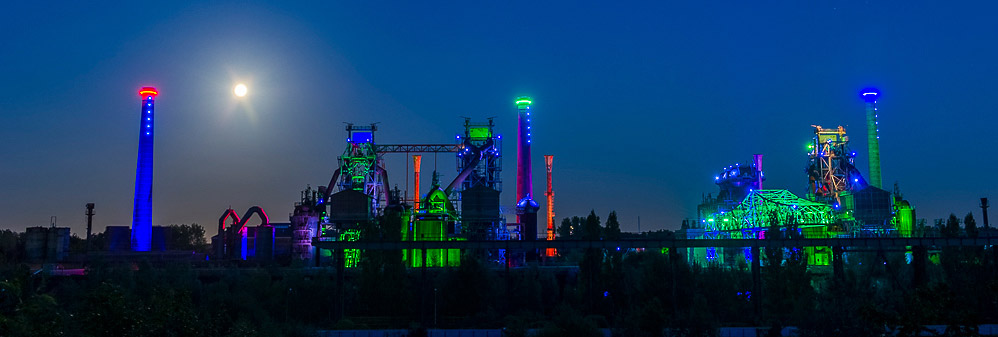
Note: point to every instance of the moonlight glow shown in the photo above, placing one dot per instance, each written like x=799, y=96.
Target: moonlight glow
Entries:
x=240, y=90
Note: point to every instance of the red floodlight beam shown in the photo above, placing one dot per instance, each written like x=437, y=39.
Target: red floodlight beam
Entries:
x=148, y=92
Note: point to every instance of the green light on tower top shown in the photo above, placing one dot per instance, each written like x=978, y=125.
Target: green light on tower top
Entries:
x=523, y=101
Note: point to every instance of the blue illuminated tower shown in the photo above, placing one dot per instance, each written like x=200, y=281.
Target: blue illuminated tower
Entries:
x=142, y=212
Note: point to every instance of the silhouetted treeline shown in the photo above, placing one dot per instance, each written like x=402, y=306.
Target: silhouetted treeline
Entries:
x=179, y=237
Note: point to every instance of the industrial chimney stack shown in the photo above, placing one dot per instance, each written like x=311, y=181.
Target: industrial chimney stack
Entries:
x=142, y=211
x=526, y=207
x=870, y=96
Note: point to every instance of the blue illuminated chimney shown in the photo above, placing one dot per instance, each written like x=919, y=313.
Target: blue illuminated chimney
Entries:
x=142, y=212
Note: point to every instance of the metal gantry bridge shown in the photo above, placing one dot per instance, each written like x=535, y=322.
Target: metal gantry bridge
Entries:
x=417, y=148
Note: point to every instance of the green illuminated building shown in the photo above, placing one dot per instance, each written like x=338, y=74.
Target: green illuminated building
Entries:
x=434, y=221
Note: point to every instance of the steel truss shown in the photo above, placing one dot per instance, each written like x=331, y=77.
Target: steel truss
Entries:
x=764, y=208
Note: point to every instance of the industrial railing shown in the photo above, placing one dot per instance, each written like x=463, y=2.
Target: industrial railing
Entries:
x=662, y=243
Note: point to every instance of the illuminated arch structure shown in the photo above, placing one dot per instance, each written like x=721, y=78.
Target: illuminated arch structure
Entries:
x=234, y=241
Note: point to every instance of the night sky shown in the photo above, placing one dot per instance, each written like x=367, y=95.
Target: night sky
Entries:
x=640, y=104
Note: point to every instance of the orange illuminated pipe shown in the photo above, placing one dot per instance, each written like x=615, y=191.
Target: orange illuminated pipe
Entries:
x=415, y=167
x=548, y=163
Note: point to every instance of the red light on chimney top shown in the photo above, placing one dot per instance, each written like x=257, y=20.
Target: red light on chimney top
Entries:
x=148, y=91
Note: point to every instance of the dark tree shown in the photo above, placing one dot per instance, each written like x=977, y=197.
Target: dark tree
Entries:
x=565, y=231
x=612, y=269
x=952, y=227
x=10, y=247
x=612, y=229
x=970, y=225
x=187, y=237
x=589, y=267
x=591, y=229
x=77, y=244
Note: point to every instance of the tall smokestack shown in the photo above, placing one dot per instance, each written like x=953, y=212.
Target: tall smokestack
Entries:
x=523, y=173
x=142, y=211
x=870, y=96
x=90, y=224
x=526, y=207
x=984, y=210
x=757, y=162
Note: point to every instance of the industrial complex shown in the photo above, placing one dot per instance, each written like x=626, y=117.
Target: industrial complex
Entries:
x=359, y=203
x=840, y=202
x=358, y=199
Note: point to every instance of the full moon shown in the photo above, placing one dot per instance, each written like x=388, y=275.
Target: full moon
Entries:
x=240, y=90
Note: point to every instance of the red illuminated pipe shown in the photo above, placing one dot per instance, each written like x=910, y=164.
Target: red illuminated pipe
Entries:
x=549, y=163
x=416, y=159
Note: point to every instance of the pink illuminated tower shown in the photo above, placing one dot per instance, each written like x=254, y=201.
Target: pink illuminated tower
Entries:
x=526, y=207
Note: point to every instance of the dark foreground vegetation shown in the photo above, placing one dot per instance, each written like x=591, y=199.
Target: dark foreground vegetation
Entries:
x=646, y=293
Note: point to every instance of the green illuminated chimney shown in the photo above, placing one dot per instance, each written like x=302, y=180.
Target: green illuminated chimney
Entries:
x=870, y=96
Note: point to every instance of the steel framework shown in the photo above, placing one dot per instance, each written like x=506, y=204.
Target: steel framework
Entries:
x=831, y=168
x=361, y=168
x=480, y=138
x=417, y=148
x=763, y=208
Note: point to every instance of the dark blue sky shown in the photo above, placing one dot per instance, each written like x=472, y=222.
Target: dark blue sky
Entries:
x=641, y=104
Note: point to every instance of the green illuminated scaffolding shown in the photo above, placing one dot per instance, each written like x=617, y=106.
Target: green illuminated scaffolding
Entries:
x=762, y=208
